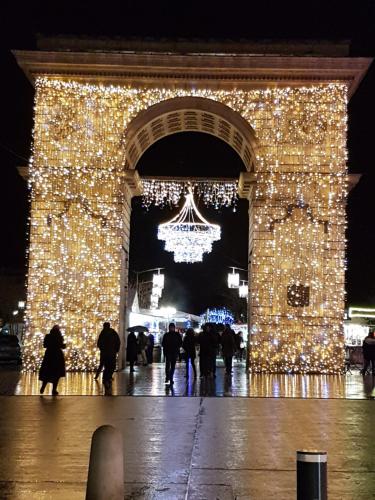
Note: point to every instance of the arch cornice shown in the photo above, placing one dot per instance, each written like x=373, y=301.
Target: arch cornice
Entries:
x=201, y=69
x=190, y=114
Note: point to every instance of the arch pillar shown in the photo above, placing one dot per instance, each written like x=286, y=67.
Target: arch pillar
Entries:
x=132, y=186
x=246, y=188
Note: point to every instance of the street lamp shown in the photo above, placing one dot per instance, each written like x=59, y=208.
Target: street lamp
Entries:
x=157, y=285
x=167, y=312
x=243, y=290
x=233, y=279
x=158, y=279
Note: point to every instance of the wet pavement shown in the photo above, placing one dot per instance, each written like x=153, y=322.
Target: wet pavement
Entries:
x=195, y=448
x=186, y=448
x=149, y=381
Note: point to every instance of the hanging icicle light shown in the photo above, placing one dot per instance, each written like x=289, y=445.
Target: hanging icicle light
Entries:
x=189, y=235
x=162, y=193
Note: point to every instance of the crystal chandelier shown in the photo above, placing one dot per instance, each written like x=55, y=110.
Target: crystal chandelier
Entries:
x=188, y=234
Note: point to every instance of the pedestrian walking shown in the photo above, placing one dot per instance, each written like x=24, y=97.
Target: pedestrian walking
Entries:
x=131, y=350
x=228, y=348
x=150, y=348
x=237, y=341
x=171, y=347
x=188, y=345
x=205, y=351
x=368, y=348
x=241, y=344
x=53, y=364
x=100, y=367
x=215, y=342
x=142, y=345
x=109, y=345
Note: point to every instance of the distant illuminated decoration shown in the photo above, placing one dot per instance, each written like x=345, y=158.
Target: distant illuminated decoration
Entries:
x=218, y=315
x=361, y=312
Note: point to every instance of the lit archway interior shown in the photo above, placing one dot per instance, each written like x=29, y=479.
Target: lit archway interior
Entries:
x=191, y=288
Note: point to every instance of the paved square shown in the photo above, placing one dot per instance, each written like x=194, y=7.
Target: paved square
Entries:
x=186, y=448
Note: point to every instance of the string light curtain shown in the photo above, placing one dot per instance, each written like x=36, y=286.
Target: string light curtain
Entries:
x=79, y=226
x=163, y=193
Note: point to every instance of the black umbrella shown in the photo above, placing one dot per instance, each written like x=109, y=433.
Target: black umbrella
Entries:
x=138, y=328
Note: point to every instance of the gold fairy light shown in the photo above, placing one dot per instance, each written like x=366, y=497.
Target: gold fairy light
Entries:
x=79, y=222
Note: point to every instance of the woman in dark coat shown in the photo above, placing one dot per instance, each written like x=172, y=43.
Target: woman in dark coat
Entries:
x=53, y=364
x=188, y=345
x=131, y=350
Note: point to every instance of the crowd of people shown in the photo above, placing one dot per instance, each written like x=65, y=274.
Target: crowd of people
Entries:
x=139, y=350
x=212, y=340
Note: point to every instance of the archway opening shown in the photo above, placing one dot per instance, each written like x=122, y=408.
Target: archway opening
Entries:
x=192, y=287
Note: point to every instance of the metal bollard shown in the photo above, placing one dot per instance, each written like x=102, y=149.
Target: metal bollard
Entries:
x=311, y=475
x=106, y=469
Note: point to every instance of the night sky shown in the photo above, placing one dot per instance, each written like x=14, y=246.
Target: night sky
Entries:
x=190, y=287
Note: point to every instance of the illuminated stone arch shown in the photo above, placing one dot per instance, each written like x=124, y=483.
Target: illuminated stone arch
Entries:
x=96, y=112
x=190, y=114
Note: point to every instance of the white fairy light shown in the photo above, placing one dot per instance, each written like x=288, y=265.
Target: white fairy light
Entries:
x=189, y=235
x=163, y=193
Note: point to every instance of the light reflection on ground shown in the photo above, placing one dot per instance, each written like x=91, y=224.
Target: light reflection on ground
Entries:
x=149, y=381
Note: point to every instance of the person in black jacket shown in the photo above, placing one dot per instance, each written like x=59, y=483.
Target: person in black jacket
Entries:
x=188, y=345
x=109, y=345
x=228, y=348
x=131, y=350
x=171, y=344
x=215, y=342
x=53, y=364
x=150, y=348
x=205, y=350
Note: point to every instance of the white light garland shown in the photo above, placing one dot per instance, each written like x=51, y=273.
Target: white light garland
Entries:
x=218, y=193
x=188, y=235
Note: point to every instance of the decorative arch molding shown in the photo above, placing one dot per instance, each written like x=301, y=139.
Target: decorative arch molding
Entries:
x=190, y=114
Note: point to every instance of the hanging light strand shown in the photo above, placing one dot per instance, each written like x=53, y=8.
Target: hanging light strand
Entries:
x=163, y=193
